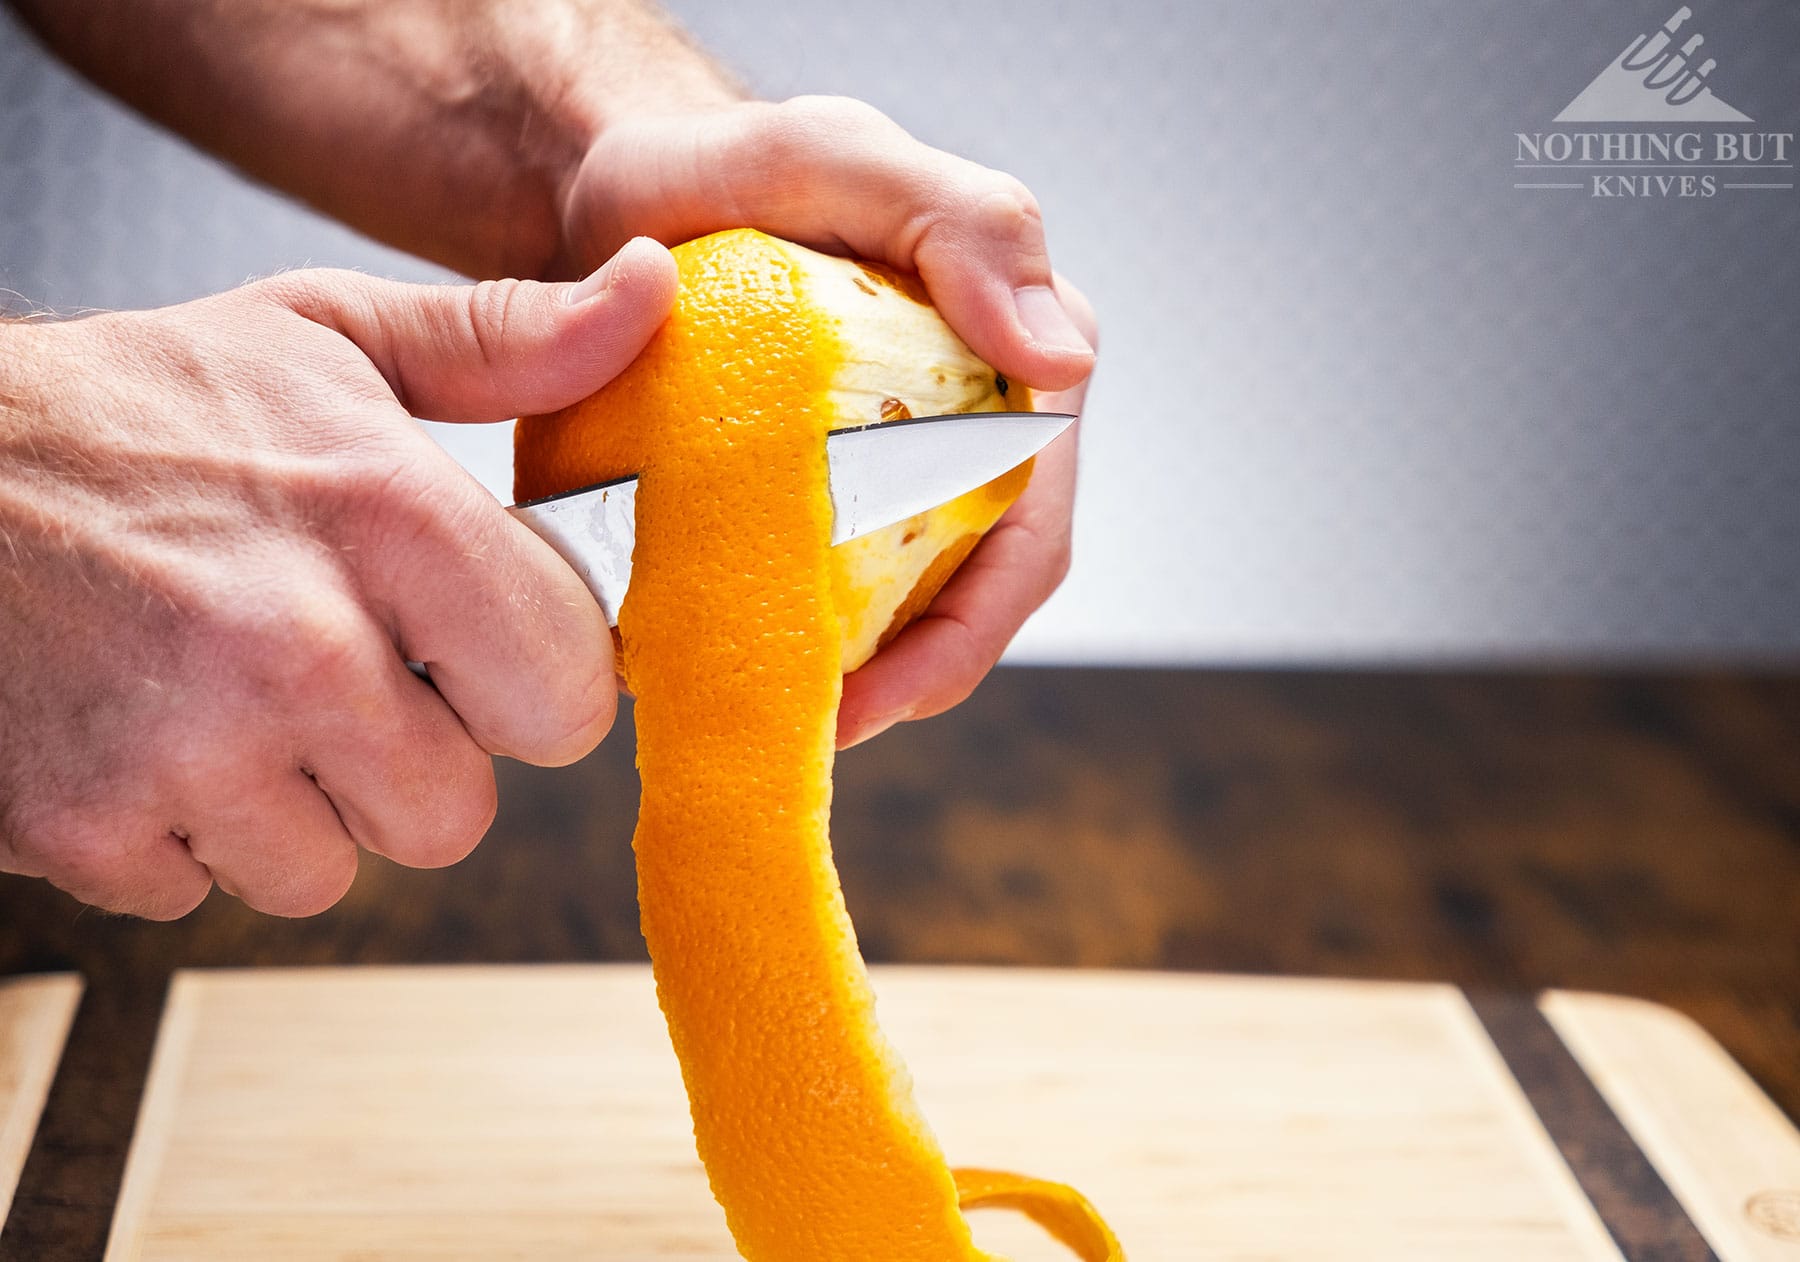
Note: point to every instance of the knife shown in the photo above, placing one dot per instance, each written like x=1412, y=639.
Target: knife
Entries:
x=880, y=474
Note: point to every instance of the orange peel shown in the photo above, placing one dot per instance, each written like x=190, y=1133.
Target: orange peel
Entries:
x=739, y=624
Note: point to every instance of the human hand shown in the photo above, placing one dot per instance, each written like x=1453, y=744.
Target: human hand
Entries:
x=224, y=538
x=837, y=175
x=938, y=659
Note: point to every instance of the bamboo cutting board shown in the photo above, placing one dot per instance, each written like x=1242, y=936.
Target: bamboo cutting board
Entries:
x=537, y=1113
x=35, y=1013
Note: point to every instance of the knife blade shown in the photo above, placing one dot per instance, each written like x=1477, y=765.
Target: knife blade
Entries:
x=880, y=474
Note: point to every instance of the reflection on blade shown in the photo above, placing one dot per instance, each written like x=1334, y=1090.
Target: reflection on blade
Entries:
x=880, y=474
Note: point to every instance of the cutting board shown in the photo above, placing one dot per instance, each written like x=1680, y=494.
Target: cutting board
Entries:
x=537, y=1113
x=35, y=1014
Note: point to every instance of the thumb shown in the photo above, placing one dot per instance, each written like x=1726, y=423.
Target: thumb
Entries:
x=500, y=348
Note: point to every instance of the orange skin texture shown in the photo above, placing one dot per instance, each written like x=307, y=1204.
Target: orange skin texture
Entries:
x=802, y=1112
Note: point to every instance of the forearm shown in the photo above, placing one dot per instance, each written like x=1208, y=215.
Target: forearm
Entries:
x=447, y=128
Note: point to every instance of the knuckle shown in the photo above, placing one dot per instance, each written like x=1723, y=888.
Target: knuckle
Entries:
x=962, y=663
x=404, y=502
x=91, y=859
x=977, y=211
x=1058, y=558
x=1056, y=569
x=584, y=726
x=286, y=652
x=493, y=311
x=1009, y=191
x=568, y=699
x=323, y=654
x=837, y=115
x=460, y=814
x=468, y=814
x=306, y=889
x=971, y=663
x=74, y=850
x=398, y=515
x=309, y=291
x=377, y=489
x=1005, y=208
x=954, y=689
x=172, y=899
x=24, y=843
x=797, y=138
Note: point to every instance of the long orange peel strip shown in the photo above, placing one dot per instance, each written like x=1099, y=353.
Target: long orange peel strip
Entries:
x=803, y=1114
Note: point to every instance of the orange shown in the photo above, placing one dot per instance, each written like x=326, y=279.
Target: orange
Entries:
x=892, y=356
x=734, y=636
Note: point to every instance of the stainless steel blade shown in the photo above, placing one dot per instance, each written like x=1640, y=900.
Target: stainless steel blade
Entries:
x=594, y=530
x=884, y=473
x=880, y=474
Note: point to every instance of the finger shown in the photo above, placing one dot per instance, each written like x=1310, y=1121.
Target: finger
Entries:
x=513, y=640
x=1072, y=400
x=404, y=775
x=276, y=844
x=836, y=173
x=494, y=350
x=128, y=865
x=937, y=661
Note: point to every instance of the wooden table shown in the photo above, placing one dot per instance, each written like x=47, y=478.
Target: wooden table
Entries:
x=1507, y=832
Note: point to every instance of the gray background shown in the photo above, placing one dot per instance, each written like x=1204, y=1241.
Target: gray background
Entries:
x=1360, y=399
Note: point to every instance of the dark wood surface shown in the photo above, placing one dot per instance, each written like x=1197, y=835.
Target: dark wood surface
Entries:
x=1510, y=832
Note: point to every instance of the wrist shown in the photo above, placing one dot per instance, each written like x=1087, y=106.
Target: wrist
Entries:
x=576, y=70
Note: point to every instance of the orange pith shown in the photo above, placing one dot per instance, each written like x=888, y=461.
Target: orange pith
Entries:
x=803, y=1114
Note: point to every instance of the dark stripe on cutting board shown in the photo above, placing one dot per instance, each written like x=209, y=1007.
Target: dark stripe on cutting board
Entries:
x=63, y=1208
x=1646, y=1221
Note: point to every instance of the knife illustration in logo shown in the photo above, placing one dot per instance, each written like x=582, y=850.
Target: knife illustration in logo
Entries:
x=1657, y=79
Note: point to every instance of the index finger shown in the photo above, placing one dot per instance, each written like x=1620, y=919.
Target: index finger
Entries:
x=511, y=636
x=937, y=661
